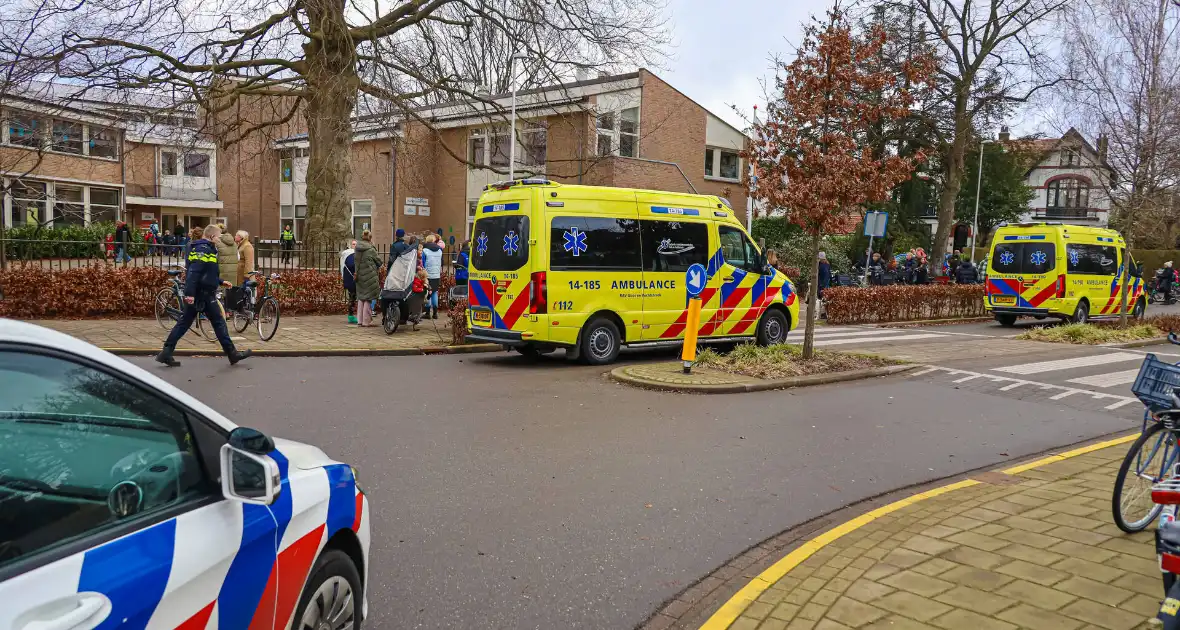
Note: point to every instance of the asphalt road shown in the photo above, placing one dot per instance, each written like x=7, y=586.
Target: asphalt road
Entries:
x=516, y=495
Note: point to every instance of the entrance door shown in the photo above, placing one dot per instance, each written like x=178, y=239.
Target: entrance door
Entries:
x=191, y=221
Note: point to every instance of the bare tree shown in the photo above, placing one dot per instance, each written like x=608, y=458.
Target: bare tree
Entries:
x=311, y=60
x=994, y=55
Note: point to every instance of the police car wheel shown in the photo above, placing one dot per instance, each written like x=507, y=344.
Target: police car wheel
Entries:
x=332, y=599
x=600, y=342
x=773, y=328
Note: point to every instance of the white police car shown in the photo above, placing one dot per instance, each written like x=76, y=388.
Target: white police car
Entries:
x=126, y=503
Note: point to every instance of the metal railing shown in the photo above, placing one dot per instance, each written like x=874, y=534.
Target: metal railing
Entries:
x=1066, y=213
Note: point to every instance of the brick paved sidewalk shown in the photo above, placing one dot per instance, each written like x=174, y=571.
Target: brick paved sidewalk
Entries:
x=1033, y=550
x=295, y=334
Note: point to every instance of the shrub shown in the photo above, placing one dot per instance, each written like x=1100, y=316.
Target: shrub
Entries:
x=899, y=303
x=1165, y=323
x=1104, y=332
x=458, y=314
x=784, y=360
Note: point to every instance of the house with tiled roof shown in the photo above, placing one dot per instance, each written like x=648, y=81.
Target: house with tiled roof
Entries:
x=1071, y=178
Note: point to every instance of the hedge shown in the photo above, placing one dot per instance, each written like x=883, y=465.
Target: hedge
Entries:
x=1153, y=259
x=30, y=242
x=899, y=303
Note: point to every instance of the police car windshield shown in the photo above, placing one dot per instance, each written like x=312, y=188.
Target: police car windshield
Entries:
x=500, y=243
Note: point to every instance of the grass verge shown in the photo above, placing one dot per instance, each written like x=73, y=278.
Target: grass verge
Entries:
x=1091, y=333
x=782, y=361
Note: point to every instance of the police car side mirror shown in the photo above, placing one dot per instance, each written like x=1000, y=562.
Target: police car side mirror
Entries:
x=248, y=477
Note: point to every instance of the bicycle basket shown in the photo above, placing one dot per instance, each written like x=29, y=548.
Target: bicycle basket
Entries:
x=1155, y=382
x=235, y=298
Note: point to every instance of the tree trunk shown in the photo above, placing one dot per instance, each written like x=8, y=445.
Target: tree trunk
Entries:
x=952, y=182
x=812, y=299
x=1125, y=272
x=330, y=97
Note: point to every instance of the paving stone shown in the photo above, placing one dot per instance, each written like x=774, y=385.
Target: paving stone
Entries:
x=959, y=619
x=1101, y=615
x=772, y=624
x=1026, y=499
x=1097, y=591
x=863, y=563
x=1035, y=594
x=1027, y=524
x=1030, y=554
x=1071, y=508
x=1141, y=564
x=962, y=522
x=905, y=558
x=1032, y=572
x=1032, y=539
x=972, y=539
x=825, y=597
x=745, y=623
x=975, y=600
x=927, y=545
x=1039, y=618
x=974, y=557
x=879, y=571
x=839, y=584
x=1091, y=570
x=1079, y=536
x=986, y=515
x=825, y=572
x=1126, y=545
x=758, y=610
x=1140, y=583
x=812, y=584
x=785, y=611
x=801, y=624
x=934, y=566
x=910, y=605
x=828, y=624
x=894, y=622
x=853, y=613
x=1007, y=507
x=939, y=531
x=867, y=591
x=799, y=596
x=991, y=529
x=1072, y=549
x=812, y=611
x=981, y=579
x=917, y=583
x=1145, y=605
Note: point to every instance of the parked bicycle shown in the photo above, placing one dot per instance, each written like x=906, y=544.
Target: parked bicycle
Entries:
x=245, y=308
x=1153, y=455
x=169, y=306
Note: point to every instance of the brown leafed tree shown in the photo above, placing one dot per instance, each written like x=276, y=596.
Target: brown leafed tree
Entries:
x=815, y=149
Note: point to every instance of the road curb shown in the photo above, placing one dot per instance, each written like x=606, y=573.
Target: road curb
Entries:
x=619, y=374
x=1138, y=343
x=321, y=352
x=816, y=534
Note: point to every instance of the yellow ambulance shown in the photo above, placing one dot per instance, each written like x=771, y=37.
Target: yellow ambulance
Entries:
x=593, y=269
x=1071, y=272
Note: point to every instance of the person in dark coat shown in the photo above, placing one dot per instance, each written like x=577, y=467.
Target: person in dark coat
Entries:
x=953, y=263
x=200, y=296
x=462, y=262
x=1163, y=281
x=122, y=241
x=401, y=245
x=824, y=278
x=965, y=273
x=368, y=285
x=348, y=278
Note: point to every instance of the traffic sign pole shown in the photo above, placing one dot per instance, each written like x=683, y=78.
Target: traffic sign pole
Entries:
x=688, y=354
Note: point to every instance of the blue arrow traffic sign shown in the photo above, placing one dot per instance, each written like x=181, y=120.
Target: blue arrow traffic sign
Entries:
x=694, y=280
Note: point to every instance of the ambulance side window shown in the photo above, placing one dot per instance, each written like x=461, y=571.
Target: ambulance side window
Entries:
x=672, y=246
x=1095, y=260
x=738, y=250
x=602, y=243
x=83, y=451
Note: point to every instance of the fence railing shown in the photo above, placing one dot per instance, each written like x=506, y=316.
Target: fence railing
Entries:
x=268, y=257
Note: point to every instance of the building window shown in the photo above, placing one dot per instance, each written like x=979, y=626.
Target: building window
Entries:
x=68, y=205
x=285, y=170
x=362, y=216
x=618, y=133
x=28, y=203
x=196, y=165
x=722, y=164
x=1068, y=197
x=24, y=130
x=67, y=136
x=477, y=146
x=295, y=216
x=1070, y=157
x=499, y=147
x=531, y=150
x=168, y=163
x=104, y=142
x=104, y=205
x=471, y=206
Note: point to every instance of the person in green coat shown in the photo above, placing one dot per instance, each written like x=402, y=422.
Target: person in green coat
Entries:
x=227, y=255
x=368, y=284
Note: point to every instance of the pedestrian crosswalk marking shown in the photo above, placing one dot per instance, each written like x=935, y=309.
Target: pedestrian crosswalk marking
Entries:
x=1125, y=401
x=844, y=332
x=1110, y=379
x=1013, y=383
x=1011, y=386
x=968, y=378
x=926, y=371
x=1068, y=392
x=836, y=342
x=1067, y=364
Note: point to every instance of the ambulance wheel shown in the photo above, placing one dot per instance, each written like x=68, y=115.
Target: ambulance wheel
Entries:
x=600, y=342
x=1140, y=308
x=773, y=327
x=1007, y=321
x=332, y=597
x=1081, y=314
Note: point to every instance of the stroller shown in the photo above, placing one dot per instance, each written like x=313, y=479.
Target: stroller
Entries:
x=399, y=304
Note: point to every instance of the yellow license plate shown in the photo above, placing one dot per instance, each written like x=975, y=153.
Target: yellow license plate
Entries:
x=1004, y=299
x=481, y=316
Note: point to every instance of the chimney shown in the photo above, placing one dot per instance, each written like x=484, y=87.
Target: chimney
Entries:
x=1103, y=146
x=1004, y=135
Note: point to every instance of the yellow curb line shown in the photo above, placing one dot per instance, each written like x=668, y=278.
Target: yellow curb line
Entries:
x=732, y=609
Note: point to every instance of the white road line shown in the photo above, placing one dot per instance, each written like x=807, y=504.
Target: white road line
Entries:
x=925, y=371
x=1011, y=386
x=968, y=378
x=1017, y=382
x=1068, y=392
x=1125, y=401
x=1110, y=379
x=1067, y=364
x=835, y=342
x=843, y=332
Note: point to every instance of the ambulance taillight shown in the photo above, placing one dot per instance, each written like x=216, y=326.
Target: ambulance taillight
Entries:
x=1060, y=286
x=538, y=294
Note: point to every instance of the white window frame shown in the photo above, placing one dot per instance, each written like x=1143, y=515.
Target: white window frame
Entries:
x=90, y=205
x=45, y=141
x=472, y=206
x=356, y=214
x=717, y=151
x=176, y=163
x=615, y=131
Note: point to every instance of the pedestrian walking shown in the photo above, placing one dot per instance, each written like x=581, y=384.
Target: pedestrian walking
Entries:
x=227, y=254
x=287, y=243
x=245, y=256
x=965, y=273
x=200, y=296
x=432, y=255
x=462, y=262
x=1163, y=281
x=368, y=285
x=348, y=278
x=824, y=277
x=953, y=263
x=122, y=242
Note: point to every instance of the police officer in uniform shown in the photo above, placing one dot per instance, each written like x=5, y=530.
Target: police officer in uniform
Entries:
x=287, y=242
x=200, y=287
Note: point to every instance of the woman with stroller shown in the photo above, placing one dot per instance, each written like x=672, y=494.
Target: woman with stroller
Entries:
x=432, y=256
x=368, y=285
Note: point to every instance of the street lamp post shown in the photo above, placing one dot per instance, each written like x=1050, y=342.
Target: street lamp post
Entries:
x=512, y=128
x=978, y=185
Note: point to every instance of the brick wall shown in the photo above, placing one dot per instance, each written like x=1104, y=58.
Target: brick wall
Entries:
x=566, y=146
x=139, y=163
x=371, y=180
x=45, y=165
x=448, y=206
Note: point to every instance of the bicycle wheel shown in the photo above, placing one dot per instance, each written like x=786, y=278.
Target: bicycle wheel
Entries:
x=241, y=319
x=205, y=328
x=167, y=308
x=268, y=318
x=1147, y=461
